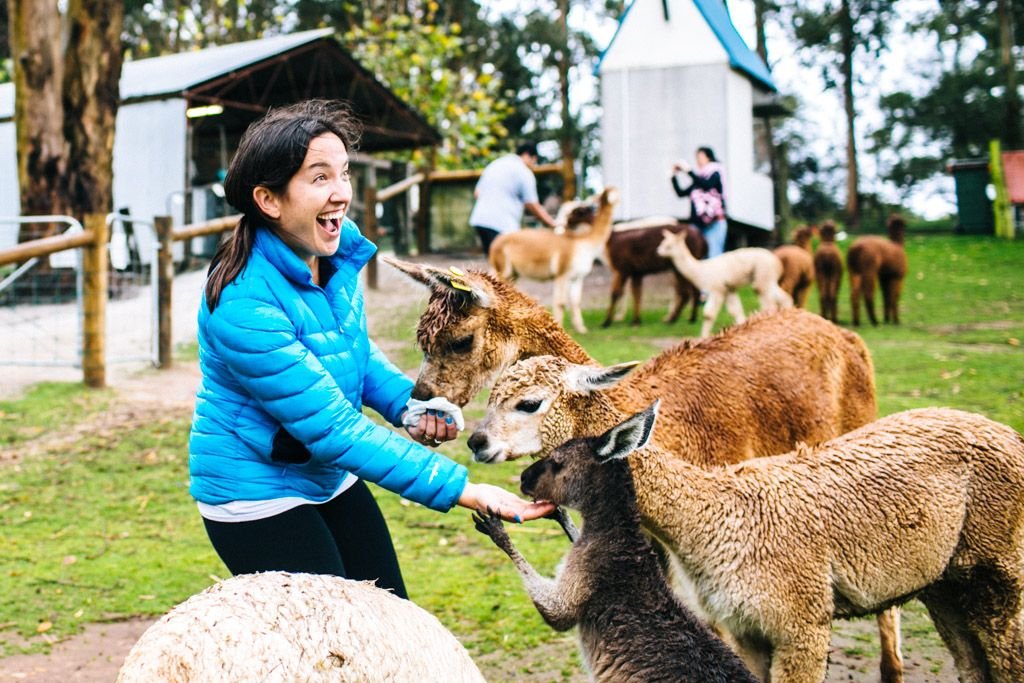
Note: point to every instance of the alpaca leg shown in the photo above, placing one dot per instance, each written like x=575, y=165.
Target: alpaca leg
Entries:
x=781, y=298
x=891, y=665
x=558, y=300
x=755, y=653
x=802, y=660
x=735, y=307
x=618, y=283
x=867, y=285
x=575, y=303
x=681, y=293
x=891, y=289
x=636, y=287
x=855, y=297
x=711, y=308
x=695, y=298
x=952, y=627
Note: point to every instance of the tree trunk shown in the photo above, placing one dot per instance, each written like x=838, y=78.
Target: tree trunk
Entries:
x=1012, y=106
x=568, y=175
x=38, y=111
x=92, y=73
x=852, y=173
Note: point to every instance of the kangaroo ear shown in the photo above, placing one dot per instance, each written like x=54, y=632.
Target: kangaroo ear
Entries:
x=451, y=280
x=585, y=378
x=628, y=436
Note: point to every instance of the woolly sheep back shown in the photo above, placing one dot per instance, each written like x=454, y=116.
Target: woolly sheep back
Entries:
x=282, y=627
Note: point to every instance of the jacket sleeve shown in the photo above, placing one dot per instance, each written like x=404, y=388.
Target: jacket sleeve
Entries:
x=386, y=389
x=712, y=182
x=258, y=344
x=681, y=191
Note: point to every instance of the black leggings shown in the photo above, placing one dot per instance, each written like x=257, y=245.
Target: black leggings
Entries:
x=486, y=236
x=346, y=537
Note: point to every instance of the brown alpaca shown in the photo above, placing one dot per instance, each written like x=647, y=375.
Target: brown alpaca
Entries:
x=874, y=259
x=828, y=271
x=755, y=399
x=632, y=254
x=567, y=258
x=797, y=266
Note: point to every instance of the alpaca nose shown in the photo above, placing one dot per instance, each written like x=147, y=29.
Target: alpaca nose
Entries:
x=423, y=391
x=477, y=442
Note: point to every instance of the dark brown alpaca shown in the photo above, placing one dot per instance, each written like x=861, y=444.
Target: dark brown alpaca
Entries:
x=632, y=254
x=828, y=271
x=797, y=266
x=874, y=259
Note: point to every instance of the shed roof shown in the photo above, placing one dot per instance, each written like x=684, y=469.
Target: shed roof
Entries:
x=250, y=77
x=715, y=14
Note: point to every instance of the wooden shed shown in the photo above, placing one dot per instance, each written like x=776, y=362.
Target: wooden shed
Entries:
x=676, y=76
x=182, y=115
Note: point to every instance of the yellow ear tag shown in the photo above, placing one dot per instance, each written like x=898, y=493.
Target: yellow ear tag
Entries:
x=459, y=284
x=456, y=272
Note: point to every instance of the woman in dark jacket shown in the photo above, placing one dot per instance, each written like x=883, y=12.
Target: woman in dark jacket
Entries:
x=279, y=447
x=707, y=197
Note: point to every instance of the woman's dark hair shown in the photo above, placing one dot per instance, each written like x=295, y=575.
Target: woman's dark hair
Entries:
x=708, y=152
x=270, y=153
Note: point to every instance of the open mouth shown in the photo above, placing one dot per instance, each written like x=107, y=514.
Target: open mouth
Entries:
x=331, y=222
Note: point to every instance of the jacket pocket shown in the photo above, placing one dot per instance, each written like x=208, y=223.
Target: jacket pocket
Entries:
x=286, y=448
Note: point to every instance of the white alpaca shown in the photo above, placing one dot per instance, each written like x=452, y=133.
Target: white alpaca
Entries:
x=721, y=276
x=565, y=258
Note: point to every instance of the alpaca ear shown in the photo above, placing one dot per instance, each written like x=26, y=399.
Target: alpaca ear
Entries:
x=451, y=280
x=585, y=378
x=628, y=436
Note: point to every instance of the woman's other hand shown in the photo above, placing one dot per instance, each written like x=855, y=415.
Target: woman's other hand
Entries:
x=509, y=506
x=435, y=427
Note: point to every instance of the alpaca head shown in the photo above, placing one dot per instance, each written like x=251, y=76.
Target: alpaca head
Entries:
x=462, y=346
x=896, y=227
x=802, y=236
x=827, y=231
x=536, y=405
x=589, y=470
x=673, y=243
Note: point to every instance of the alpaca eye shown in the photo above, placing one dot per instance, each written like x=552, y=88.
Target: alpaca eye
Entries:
x=463, y=345
x=528, y=406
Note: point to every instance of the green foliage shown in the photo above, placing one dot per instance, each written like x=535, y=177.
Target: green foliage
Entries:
x=422, y=61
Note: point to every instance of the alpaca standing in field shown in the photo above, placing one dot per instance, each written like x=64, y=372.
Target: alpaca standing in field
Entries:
x=566, y=258
x=631, y=625
x=828, y=271
x=797, y=266
x=632, y=254
x=720, y=278
x=926, y=503
x=872, y=259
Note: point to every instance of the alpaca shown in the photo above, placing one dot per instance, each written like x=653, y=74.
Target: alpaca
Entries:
x=926, y=503
x=275, y=626
x=828, y=271
x=872, y=259
x=632, y=627
x=735, y=395
x=566, y=258
x=631, y=254
x=722, y=275
x=797, y=266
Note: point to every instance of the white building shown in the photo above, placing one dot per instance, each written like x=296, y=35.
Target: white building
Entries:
x=677, y=76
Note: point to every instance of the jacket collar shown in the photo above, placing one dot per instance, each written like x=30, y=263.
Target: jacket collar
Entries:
x=354, y=251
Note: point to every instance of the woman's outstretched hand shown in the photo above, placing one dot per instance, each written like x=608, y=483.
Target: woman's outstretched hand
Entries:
x=512, y=508
x=433, y=428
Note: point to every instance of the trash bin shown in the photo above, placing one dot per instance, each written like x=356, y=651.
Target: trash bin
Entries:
x=974, y=206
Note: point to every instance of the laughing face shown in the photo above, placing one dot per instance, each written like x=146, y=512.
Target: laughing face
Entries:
x=308, y=214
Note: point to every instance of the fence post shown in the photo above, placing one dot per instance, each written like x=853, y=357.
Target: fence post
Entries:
x=164, y=227
x=370, y=233
x=95, y=277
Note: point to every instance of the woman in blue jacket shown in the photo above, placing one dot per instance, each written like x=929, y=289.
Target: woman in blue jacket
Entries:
x=279, y=447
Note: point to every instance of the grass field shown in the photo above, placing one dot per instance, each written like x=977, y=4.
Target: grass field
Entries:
x=102, y=528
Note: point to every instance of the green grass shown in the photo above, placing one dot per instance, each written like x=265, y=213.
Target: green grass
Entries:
x=102, y=528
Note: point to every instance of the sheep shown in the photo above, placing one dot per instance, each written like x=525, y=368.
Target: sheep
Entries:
x=927, y=503
x=797, y=266
x=632, y=627
x=721, y=276
x=277, y=626
x=631, y=254
x=755, y=389
x=828, y=271
x=566, y=258
x=872, y=259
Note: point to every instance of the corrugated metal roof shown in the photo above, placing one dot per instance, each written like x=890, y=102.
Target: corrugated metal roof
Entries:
x=173, y=74
x=741, y=57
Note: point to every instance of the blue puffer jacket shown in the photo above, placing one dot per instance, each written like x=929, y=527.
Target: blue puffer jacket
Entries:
x=281, y=351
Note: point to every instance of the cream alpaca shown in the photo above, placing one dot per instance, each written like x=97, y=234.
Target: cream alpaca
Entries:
x=566, y=258
x=926, y=503
x=721, y=277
